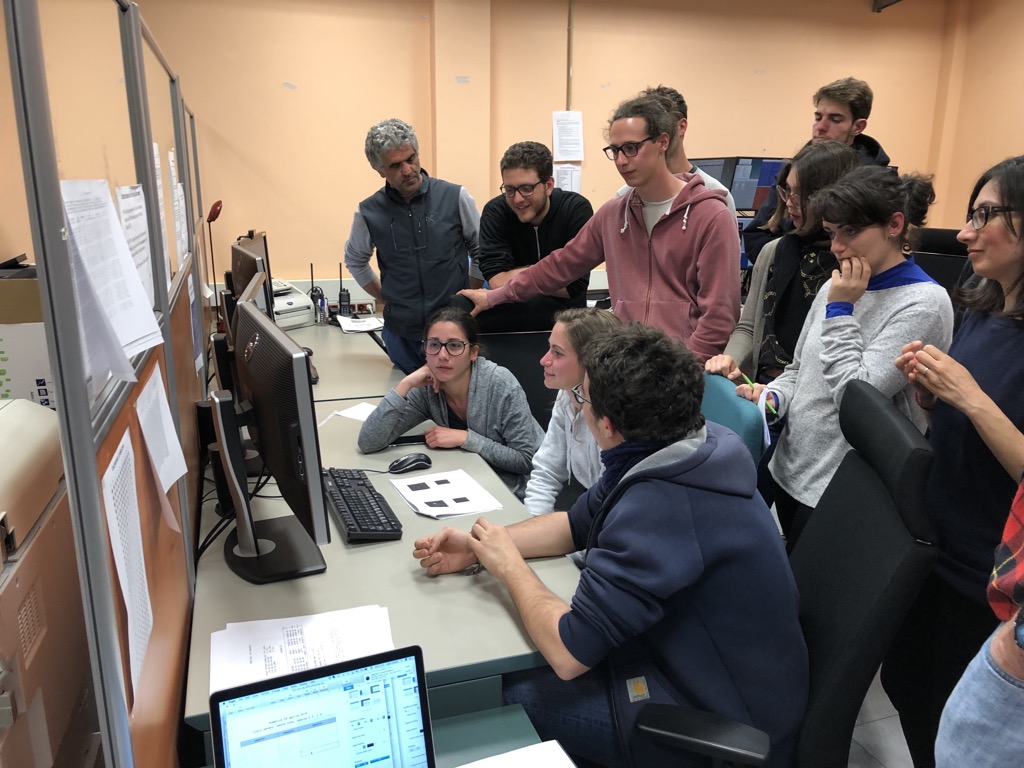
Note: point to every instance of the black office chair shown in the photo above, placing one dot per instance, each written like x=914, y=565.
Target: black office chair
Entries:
x=942, y=256
x=859, y=564
x=521, y=354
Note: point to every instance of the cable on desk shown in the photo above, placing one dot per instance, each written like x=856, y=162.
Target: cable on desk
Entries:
x=219, y=527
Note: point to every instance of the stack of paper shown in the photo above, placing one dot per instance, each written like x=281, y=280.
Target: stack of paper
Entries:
x=360, y=324
x=547, y=754
x=446, y=494
x=256, y=650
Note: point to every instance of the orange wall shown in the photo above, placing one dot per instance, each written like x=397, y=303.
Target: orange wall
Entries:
x=283, y=92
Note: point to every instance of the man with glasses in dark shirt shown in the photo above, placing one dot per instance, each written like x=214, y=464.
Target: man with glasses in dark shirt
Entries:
x=527, y=221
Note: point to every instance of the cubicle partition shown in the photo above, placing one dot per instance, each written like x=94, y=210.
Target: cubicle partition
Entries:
x=95, y=98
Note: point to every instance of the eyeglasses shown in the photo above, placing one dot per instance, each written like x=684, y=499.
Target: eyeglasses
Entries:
x=577, y=392
x=785, y=193
x=628, y=148
x=455, y=347
x=980, y=216
x=523, y=189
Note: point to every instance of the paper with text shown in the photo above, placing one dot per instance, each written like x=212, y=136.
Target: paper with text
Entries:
x=360, y=324
x=567, y=136
x=446, y=494
x=101, y=244
x=131, y=204
x=121, y=505
x=163, y=216
x=569, y=177
x=248, y=651
x=158, y=430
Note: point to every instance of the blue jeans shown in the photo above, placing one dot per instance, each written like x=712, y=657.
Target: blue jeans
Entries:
x=982, y=725
x=405, y=354
x=578, y=713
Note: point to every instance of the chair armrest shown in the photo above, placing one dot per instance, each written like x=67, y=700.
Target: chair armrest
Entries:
x=704, y=733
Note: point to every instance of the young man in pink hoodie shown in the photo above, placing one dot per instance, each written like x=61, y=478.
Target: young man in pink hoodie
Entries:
x=669, y=245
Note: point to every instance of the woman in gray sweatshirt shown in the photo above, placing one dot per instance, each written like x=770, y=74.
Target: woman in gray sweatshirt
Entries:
x=476, y=405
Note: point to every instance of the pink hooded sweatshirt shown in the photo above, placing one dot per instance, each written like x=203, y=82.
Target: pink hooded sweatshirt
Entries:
x=684, y=278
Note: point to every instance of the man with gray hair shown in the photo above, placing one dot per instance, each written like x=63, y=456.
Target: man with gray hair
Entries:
x=424, y=230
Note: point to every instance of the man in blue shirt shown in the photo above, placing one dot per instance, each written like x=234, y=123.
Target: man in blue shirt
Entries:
x=424, y=231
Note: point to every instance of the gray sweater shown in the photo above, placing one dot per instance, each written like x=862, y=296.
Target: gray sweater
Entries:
x=501, y=428
x=745, y=342
x=830, y=353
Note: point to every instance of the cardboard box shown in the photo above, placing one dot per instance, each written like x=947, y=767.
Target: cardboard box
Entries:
x=24, y=360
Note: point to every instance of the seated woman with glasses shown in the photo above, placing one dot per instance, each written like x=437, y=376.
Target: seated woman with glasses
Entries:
x=976, y=413
x=875, y=300
x=476, y=405
x=569, y=451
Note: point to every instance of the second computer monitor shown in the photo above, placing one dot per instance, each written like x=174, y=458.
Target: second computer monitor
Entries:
x=249, y=258
x=753, y=180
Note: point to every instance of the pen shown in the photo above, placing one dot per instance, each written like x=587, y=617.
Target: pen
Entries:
x=751, y=384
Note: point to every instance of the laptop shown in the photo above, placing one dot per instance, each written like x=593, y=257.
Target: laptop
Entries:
x=370, y=711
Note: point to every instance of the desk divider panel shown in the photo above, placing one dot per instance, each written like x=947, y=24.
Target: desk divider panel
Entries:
x=139, y=726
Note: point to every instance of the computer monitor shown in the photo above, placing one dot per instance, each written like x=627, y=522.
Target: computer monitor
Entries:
x=249, y=258
x=277, y=407
x=722, y=168
x=753, y=180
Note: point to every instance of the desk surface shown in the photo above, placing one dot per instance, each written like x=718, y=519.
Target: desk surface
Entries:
x=467, y=625
x=351, y=365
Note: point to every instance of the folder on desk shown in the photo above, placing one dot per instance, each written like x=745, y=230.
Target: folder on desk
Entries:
x=446, y=494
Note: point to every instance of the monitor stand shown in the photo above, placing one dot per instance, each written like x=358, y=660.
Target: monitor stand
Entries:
x=286, y=552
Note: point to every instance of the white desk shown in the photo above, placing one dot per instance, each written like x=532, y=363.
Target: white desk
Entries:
x=467, y=626
x=351, y=365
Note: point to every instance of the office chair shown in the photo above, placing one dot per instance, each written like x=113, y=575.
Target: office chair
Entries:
x=723, y=406
x=859, y=564
x=942, y=256
x=521, y=354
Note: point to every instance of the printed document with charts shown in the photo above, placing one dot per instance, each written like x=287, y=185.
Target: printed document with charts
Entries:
x=446, y=494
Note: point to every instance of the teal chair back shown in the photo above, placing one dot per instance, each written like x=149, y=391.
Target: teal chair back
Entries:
x=723, y=406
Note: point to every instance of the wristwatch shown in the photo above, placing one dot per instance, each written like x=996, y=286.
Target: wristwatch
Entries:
x=1018, y=629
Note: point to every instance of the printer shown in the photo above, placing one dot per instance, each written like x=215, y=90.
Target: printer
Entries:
x=47, y=705
x=292, y=307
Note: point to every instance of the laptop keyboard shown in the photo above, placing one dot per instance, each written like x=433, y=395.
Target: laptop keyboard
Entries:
x=361, y=512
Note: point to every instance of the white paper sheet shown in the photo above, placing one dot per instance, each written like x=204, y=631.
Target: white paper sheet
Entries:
x=158, y=431
x=547, y=754
x=567, y=136
x=163, y=215
x=445, y=494
x=121, y=506
x=97, y=235
x=359, y=412
x=194, y=314
x=569, y=178
x=360, y=325
x=256, y=650
x=131, y=203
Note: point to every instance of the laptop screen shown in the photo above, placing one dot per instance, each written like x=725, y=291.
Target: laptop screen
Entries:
x=366, y=712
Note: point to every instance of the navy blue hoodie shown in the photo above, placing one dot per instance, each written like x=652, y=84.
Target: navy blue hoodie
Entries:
x=687, y=585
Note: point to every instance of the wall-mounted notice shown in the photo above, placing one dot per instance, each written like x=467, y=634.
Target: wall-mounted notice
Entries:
x=567, y=136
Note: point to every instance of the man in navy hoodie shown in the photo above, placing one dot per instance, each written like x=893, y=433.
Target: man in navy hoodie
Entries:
x=686, y=595
x=527, y=221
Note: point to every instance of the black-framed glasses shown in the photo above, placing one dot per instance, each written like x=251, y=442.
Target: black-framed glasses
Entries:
x=455, y=347
x=577, y=392
x=628, y=148
x=523, y=189
x=981, y=215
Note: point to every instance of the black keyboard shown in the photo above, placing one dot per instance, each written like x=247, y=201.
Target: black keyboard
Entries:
x=361, y=512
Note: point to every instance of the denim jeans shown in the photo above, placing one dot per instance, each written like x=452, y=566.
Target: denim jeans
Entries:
x=405, y=354
x=578, y=712
x=982, y=725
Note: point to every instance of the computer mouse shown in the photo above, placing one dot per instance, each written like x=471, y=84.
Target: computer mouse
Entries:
x=308, y=351
x=409, y=463
x=314, y=374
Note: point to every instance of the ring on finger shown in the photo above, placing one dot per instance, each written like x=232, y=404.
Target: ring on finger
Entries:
x=923, y=370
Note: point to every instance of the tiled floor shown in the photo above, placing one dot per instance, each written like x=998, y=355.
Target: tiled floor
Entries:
x=877, y=738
